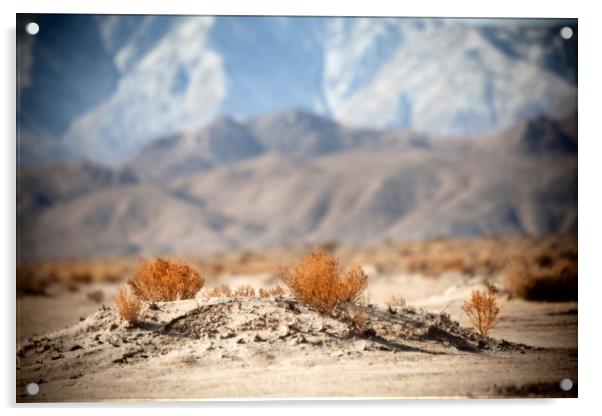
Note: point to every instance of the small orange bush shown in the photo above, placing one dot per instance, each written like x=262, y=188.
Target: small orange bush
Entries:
x=128, y=305
x=481, y=307
x=317, y=281
x=163, y=281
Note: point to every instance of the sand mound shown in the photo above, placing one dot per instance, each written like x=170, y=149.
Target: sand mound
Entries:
x=237, y=329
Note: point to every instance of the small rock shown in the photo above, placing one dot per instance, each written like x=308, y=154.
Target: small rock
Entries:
x=241, y=341
x=75, y=347
x=369, y=332
x=128, y=354
x=227, y=335
x=113, y=327
x=259, y=338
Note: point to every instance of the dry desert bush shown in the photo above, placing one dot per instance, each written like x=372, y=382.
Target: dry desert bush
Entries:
x=543, y=278
x=317, y=280
x=481, y=307
x=128, y=305
x=163, y=280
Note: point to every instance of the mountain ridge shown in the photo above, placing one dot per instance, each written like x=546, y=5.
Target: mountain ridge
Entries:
x=373, y=185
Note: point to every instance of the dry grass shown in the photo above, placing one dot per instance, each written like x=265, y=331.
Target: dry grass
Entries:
x=276, y=291
x=221, y=291
x=357, y=317
x=396, y=301
x=128, y=305
x=270, y=293
x=481, y=307
x=543, y=278
x=317, y=280
x=479, y=256
x=84, y=277
x=163, y=280
x=245, y=292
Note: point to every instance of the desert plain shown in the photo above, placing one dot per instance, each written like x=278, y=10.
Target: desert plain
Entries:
x=75, y=346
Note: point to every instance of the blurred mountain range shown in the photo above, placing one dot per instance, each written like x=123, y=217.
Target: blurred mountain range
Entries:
x=296, y=177
x=99, y=88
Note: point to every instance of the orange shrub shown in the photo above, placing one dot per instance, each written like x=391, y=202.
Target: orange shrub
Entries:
x=481, y=307
x=128, y=305
x=317, y=281
x=163, y=280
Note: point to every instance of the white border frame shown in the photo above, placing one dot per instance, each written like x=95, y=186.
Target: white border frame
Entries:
x=590, y=204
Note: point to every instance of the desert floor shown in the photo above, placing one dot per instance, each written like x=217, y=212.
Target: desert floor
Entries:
x=81, y=351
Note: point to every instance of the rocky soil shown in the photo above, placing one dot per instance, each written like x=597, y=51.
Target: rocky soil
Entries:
x=249, y=347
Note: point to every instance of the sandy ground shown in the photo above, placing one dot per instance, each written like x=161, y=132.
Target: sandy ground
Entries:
x=218, y=355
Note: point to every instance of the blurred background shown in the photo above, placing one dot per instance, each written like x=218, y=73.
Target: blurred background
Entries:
x=404, y=144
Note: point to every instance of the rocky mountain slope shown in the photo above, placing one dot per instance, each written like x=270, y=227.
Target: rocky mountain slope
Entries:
x=293, y=177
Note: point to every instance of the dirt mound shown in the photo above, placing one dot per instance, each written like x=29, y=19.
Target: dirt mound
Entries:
x=236, y=329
